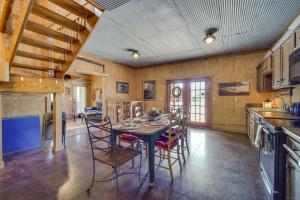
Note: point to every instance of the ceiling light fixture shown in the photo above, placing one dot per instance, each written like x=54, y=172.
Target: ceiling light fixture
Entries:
x=210, y=38
x=135, y=53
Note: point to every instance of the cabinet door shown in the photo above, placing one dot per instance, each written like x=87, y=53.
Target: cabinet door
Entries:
x=287, y=49
x=298, y=37
x=259, y=83
x=268, y=63
x=276, y=62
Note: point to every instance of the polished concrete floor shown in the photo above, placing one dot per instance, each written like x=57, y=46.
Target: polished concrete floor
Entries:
x=221, y=166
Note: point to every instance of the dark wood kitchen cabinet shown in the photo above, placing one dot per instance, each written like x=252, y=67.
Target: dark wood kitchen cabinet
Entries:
x=276, y=62
x=287, y=49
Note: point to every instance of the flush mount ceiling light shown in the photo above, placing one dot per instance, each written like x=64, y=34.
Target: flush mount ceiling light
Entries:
x=135, y=53
x=210, y=38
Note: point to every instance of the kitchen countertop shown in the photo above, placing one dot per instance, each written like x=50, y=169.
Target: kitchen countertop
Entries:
x=273, y=114
x=279, y=119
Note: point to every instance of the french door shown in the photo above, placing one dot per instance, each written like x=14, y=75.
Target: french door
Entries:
x=80, y=98
x=194, y=96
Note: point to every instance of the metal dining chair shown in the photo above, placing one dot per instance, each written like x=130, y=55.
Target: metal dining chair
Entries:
x=47, y=129
x=124, y=137
x=108, y=153
x=171, y=145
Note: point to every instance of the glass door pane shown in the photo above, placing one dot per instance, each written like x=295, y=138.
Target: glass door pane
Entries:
x=81, y=98
x=198, y=102
x=175, y=102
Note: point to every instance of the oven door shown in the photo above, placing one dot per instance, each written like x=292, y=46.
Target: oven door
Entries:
x=267, y=163
x=292, y=169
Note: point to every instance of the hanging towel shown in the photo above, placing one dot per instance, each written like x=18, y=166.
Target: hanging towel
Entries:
x=257, y=141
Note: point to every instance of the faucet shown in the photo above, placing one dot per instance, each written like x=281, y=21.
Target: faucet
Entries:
x=284, y=106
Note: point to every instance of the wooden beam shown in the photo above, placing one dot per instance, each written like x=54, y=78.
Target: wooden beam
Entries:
x=38, y=68
x=43, y=45
x=57, y=122
x=43, y=30
x=96, y=5
x=90, y=61
x=56, y=18
x=1, y=142
x=18, y=29
x=74, y=8
x=5, y=12
x=26, y=54
x=32, y=85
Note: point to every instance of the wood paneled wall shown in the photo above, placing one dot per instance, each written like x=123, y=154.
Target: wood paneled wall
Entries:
x=228, y=113
x=116, y=72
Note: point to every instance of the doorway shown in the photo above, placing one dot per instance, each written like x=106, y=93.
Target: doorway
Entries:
x=80, y=98
x=195, y=96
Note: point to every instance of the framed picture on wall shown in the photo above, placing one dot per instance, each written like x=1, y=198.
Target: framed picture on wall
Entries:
x=68, y=91
x=149, y=90
x=234, y=89
x=122, y=87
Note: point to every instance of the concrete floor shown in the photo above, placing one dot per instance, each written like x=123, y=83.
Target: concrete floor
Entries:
x=221, y=166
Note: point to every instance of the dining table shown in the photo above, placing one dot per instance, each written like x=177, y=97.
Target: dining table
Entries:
x=147, y=131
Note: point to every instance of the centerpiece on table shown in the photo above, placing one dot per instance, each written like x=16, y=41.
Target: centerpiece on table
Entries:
x=154, y=114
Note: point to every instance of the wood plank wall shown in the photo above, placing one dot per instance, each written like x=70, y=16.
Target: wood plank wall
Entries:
x=228, y=113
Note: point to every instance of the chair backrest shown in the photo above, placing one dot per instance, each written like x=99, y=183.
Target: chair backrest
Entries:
x=99, y=133
x=119, y=113
x=174, y=129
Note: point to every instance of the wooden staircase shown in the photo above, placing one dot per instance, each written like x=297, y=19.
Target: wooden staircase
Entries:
x=52, y=34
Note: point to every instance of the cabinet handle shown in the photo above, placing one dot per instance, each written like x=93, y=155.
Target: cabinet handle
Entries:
x=278, y=81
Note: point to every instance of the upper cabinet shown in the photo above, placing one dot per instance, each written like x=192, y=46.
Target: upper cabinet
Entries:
x=287, y=49
x=297, y=35
x=264, y=75
x=276, y=63
x=274, y=71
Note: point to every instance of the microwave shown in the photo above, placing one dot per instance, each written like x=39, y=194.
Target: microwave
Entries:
x=294, y=66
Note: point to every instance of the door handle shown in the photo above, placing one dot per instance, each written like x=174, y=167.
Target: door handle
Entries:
x=293, y=154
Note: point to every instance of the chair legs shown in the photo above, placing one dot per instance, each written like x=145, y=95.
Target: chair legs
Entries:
x=89, y=189
x=187, y=143
x=170, y=164
x=178, y=155
x=132, y=161
x=182, y=148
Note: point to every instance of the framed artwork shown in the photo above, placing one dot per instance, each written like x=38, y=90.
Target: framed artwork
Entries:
x=149, y=90
x=234, y=89
x=122, y=87
x=68, y=91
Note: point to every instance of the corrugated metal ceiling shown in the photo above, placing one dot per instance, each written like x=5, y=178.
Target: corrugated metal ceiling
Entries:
x=171, y=30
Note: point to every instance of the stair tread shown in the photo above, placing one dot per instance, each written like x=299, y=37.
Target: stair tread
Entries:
x=74, y=8
x=56, y=18
x=43, y=45
x=25, y=66
x=38, y=57
x=41, y=29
